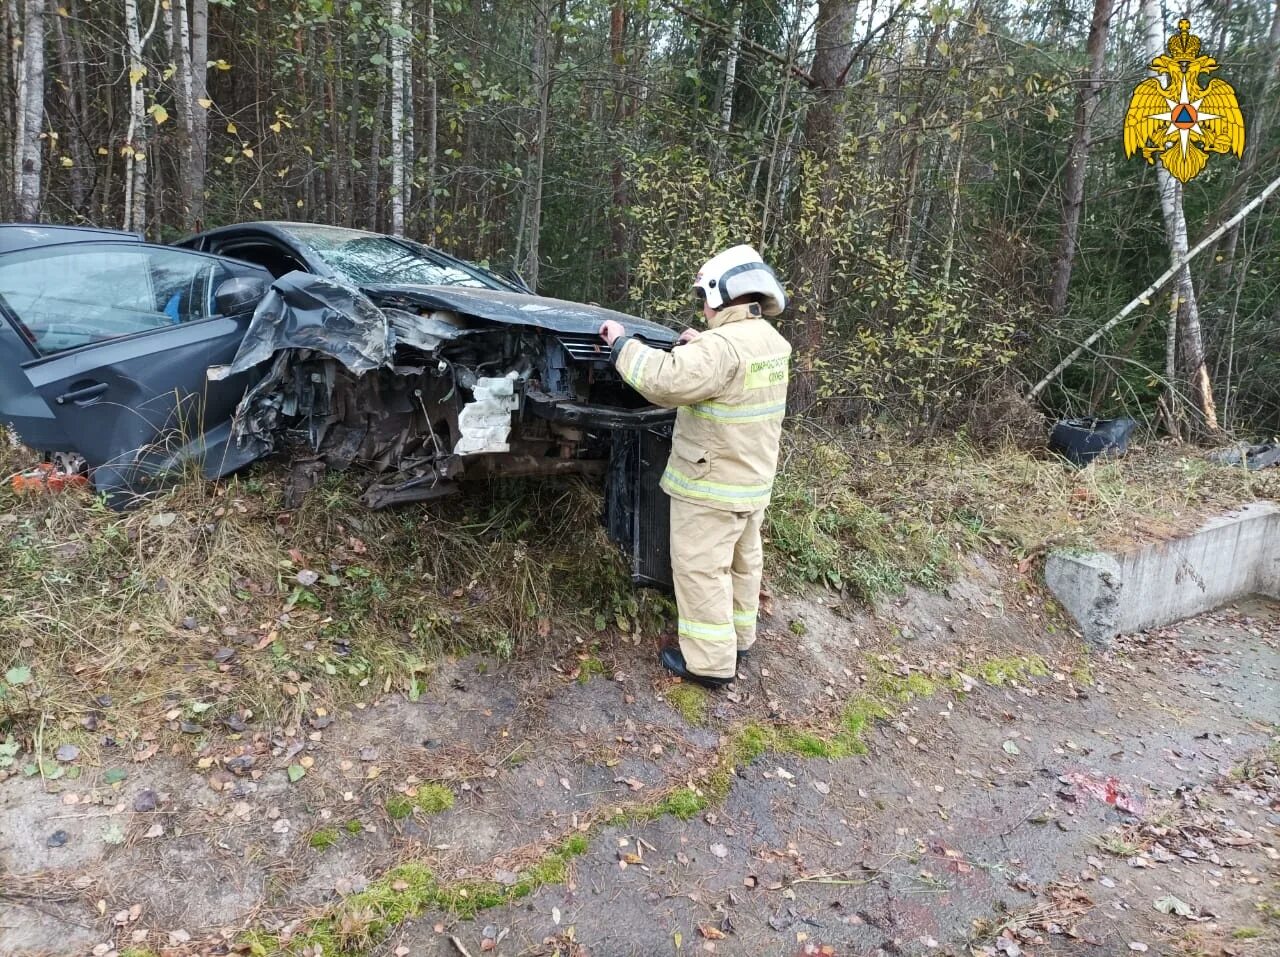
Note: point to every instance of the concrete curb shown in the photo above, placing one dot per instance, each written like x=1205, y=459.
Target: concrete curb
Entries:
x=1229, y=557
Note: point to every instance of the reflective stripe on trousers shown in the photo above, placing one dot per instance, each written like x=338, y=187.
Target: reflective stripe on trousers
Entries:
x=716, y=564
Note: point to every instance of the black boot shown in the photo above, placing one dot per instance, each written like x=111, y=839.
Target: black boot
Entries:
x=673, y=660
x=744, y=654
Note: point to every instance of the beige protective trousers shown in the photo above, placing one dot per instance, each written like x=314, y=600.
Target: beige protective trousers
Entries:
x=716, y=562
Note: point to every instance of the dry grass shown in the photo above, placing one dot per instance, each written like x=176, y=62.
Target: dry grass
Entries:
x=875, y=517
x=190, y=612
x=210, y=602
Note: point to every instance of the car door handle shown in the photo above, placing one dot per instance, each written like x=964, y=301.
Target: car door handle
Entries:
x=83, y=395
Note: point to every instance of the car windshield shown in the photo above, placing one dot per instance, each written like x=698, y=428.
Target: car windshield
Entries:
x=370, y=259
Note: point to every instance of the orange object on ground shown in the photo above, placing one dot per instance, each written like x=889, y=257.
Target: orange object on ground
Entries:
x=47, y=477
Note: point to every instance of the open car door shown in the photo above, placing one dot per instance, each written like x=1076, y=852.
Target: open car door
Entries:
x=121, y=336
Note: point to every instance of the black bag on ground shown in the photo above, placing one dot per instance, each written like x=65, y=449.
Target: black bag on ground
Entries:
x=1082, y=440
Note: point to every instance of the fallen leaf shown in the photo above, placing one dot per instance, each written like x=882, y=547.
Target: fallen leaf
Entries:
x=1138, y=947
x=296, y=773
x=710, y=933
x=1011, y=748
x=1173, y=905
x=822, y=787
x=67, y=753
x=719, y=850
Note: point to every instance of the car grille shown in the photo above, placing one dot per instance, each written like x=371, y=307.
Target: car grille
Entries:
x=585, y=347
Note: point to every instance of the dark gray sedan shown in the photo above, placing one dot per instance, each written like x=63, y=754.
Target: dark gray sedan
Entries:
x=346, y=349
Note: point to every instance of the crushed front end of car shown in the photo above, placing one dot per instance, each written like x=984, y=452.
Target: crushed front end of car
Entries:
x=425, y=388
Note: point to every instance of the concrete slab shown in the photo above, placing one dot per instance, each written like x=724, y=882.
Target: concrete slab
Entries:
x=1229, y=557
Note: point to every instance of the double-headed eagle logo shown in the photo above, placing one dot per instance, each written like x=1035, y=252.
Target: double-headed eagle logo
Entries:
x=1173, y=117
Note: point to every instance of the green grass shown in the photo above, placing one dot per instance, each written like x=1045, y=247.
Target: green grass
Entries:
x=429, y=799
x=1247, y=933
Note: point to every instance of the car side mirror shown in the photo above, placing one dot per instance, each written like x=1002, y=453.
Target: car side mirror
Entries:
x=236, y=294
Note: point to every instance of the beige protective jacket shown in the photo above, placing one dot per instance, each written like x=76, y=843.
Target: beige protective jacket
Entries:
x=730, y=386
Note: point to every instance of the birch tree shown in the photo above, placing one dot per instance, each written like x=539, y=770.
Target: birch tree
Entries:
x=136, y=142
x=433, y=114
x=30, y=88
x=1187, y=314
x=398, y=36
x=198, y=145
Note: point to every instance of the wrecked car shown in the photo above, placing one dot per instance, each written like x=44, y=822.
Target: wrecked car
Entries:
x=344, y=349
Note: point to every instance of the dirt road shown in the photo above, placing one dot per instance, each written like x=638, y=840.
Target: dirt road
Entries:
x=1022, y=819
x=1015, y=796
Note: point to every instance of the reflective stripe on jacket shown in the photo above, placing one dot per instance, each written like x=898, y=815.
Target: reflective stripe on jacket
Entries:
x=730, y=386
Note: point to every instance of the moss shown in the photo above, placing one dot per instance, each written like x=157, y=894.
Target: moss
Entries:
x=406, y=891
x=683, y=804
x=588, y=669
x=324, y=838
x=690, y=701
x=797, y=626
x=1003, y=671
x=898, y=688
x=429, y=799
x=1246, y=933
x=353, y=827
x=399, y=807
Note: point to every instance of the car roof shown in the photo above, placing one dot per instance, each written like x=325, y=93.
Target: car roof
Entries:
x=15, y=236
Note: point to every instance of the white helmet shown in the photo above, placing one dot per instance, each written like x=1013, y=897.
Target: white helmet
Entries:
x=739, y=271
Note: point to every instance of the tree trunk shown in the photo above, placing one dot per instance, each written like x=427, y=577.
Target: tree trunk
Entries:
x=395, y=13
x=432, y=119
x=180, y=52
x=31, y=109
x=823, y=131
x=198, y=157
x=375, y=156
x=618, y=276
x=1258, y=125
x=75, y=138
x=1175, y=226
x=541, y=67
x=1078, y=156
x=730, y=74
x=135, y=145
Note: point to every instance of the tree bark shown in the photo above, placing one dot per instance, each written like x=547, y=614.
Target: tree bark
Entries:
x=180, y=51
x=1190, y=338
x=198, y=157
x=31, y=109
x=823, y=131
x=75, y=138
x=135, y=145
x=395, y=13
x=432, y=119
x=618, y=275
x=1078, y=156
x=541, y=68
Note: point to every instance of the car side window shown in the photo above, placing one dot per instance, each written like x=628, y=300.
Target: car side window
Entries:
x=269, y=256
x=69, y=296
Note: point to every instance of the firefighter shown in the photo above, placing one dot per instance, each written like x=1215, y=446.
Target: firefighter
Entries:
x=729, y=385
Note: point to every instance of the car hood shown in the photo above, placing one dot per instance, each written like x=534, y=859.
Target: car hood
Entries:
x=514, y=308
